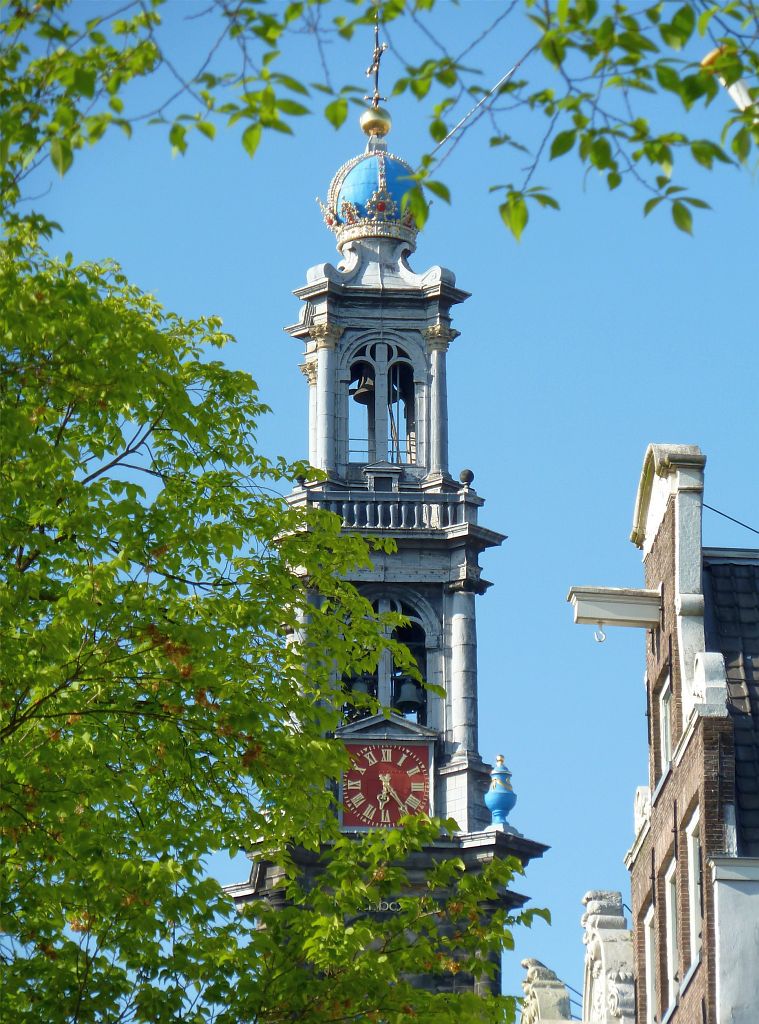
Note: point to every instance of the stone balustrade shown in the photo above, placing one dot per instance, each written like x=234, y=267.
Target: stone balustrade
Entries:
x=399, y=512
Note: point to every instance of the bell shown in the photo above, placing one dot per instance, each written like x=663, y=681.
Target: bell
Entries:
x=364, y=393
x=410, y=696
x=362, y=684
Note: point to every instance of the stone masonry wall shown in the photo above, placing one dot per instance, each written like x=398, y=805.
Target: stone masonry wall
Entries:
x=701, y=775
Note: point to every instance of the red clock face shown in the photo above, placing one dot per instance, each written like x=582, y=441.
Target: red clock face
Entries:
x=385, y=782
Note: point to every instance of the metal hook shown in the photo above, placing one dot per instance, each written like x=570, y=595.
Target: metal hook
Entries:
x=599, y=636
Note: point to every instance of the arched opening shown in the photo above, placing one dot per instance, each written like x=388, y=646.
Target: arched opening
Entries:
x=401, y=414
x=409, y=697
x=361, y=417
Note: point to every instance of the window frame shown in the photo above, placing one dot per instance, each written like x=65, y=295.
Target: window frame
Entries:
x=649, y=963
x=695, y=886
x=671, y=930
x=665, y=725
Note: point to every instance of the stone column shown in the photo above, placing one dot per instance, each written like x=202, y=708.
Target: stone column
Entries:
x=463, y=671
x=326, y=337
x=308, y=369
x=438, y=338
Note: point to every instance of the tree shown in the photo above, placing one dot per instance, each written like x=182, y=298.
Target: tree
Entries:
x=171, y=634
x=591, y=67
x=166, y=667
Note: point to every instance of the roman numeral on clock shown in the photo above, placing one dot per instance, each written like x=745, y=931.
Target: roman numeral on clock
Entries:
x=387, y=754
x=357, y=800
x=417, y=787
x=414, y=771
x=413, y=802
x=353, y=784
x=370, y=756
x=385, y=815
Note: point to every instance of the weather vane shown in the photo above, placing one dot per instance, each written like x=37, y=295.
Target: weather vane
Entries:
x=374, y=67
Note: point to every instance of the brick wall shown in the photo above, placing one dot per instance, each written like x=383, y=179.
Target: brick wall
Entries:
x=701, y=776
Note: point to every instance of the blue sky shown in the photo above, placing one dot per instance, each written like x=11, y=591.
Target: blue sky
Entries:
x=599, y=333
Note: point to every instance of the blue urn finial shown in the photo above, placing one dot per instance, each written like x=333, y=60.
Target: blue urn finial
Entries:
x=500, y=797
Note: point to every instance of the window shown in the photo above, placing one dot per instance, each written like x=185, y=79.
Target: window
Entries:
x=649, y=947
x=695, y=892
x=665, y=725
x=671, y=928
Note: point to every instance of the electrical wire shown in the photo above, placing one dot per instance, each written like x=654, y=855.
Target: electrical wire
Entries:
x=732, y=520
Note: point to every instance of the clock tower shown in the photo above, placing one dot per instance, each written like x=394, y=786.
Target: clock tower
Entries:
x=375, y=336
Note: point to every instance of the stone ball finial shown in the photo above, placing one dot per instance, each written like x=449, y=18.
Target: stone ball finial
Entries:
x=466, y=476
x=376, y=121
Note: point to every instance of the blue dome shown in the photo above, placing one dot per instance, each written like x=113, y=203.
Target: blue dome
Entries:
x=365, y=198
x=375, y=185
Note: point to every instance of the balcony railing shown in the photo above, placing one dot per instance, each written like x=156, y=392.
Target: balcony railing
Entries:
x=398, y=512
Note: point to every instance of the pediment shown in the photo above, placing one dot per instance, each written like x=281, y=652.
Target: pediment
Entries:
x=381, y=727
x=383, y=467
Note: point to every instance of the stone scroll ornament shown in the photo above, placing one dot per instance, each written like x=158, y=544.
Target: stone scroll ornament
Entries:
x=609, y=995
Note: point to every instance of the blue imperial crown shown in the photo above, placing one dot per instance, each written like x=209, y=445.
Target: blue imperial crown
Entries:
x=365, y=197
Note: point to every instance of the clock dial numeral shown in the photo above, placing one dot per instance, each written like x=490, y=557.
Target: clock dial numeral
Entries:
x=402, y=758
x=357, y=800
x=370, y=756
x=413, y=803
x=414, y=770
x=385, y=817
x=418, y=787
x=353, y=784
x=387, y=754
x=369, y=811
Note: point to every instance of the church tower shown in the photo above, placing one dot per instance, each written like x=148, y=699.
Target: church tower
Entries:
x=376, y=336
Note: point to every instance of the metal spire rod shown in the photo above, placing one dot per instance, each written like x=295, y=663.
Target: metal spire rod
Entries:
x=374, y=67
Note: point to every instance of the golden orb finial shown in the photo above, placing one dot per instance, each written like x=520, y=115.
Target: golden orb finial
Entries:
x=376, y=121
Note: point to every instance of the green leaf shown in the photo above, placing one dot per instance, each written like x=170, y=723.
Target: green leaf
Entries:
x=251, y=138
x=291, y=108
x=439, y=189
x=613, y=179
x=682, y=217
x=562, y=143
x=667, y=77
x=61, y=155
x=84, y=81
x=178, y=137
x=438, y=129
x=514, y=214
x=600, y=153
x=336, y=111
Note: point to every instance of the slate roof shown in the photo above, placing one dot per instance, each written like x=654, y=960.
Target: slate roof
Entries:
x=731, y=589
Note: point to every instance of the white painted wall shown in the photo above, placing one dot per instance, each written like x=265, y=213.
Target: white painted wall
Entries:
x=736, y=908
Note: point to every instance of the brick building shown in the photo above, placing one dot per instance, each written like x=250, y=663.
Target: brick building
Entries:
x=694, y=862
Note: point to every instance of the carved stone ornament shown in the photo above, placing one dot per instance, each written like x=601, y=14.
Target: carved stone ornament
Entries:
x=642, y=808
x=608, y=994
x=326, y=335
x=309, y=371
x=439, y=336
x=546, y=998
